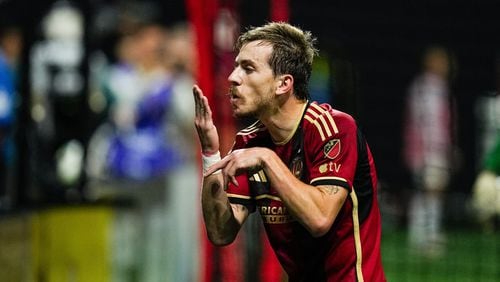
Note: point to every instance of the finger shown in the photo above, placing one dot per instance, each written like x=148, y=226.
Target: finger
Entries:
x=207, y=112
x=230, y=171
x=197, y=94
x=197, y=91
x=234, y=181
x=201, y=101
x=202, y=106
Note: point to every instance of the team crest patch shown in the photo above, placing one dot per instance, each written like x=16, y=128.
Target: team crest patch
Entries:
x=332, y=149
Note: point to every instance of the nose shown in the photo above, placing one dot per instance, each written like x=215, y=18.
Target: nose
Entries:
x=233, y=77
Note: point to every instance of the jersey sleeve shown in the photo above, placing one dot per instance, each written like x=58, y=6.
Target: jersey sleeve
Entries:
x=331, y=147
x=242, y=193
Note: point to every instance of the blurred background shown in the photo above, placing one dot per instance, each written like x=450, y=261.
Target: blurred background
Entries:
x=99, y=160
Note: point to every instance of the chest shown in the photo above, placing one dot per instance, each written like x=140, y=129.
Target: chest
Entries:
x=268, y=202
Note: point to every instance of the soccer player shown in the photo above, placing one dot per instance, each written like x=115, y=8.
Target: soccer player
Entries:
x=305, y=167
x=428, y=150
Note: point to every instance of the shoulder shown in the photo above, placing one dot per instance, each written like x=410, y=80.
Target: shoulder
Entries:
x=327, y=121
x=251, y=132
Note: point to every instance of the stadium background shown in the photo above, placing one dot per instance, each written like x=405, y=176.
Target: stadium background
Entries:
x=369, y=54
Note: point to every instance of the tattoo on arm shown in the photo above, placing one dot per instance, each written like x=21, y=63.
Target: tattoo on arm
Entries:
x=331, y=190
x=215, y=189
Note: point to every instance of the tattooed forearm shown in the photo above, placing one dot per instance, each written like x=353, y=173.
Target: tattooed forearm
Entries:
x=215, y=189
x=331, y=190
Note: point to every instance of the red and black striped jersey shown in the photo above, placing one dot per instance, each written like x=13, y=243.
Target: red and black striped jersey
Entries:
x=327, y=149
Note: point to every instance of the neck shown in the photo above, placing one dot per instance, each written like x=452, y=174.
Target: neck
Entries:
x=283, y=123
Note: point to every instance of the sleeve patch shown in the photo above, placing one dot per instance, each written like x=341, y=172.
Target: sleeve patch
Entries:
x=332, y=149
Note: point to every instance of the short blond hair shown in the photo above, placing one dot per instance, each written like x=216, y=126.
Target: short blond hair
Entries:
x=293, y=51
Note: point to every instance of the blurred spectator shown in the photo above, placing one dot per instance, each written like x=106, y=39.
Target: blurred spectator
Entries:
x=428, y=149
x=140, y=92
x=57, y=136
x=182, y=235
x=130, y=154
x=10, y=49
x=138, y=89
x=144, y=151
x=486, y=190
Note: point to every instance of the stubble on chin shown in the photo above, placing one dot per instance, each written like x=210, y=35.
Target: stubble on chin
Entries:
x=254, y=108
x=244, y=115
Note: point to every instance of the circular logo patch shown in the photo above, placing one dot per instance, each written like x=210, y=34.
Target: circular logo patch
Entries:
x=332, y=149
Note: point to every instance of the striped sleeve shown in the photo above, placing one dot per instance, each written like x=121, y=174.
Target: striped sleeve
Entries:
x=330, y=145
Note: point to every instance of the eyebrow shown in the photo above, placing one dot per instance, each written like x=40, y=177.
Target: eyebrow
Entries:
x=245, y=62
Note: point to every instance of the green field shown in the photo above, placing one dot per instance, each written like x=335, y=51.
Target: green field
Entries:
x=468, y=257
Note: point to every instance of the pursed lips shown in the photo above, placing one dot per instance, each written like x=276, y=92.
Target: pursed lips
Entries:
x=233, y=95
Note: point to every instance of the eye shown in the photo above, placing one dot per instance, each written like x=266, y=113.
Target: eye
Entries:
x=248, y=69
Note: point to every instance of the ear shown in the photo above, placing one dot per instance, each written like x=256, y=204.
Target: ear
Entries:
x=284, y=84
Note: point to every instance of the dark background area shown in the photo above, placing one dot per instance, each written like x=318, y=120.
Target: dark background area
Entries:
x=374, y=50
x=382, y=41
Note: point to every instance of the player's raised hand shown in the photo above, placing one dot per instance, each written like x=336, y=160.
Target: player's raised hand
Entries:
x=207, y=132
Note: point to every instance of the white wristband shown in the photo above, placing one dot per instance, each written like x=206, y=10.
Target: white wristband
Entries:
x=209, y=161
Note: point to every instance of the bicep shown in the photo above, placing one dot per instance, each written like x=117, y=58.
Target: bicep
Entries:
x=334, y=197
